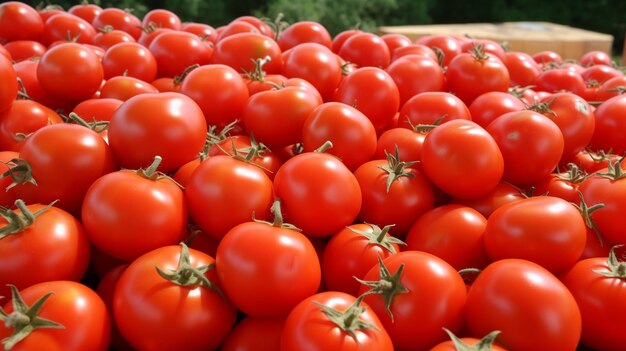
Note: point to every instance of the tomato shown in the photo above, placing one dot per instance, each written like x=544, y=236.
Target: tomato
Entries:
x=489, y=106
x=175, y=303
x=263, y=27
x=223, y=192
x=471, y=74
x=129, y=59
x=546, y=230
x=502, y=194
x=203, y=30
x=106, y=289
x=366, y=50
x=415, y=74
x=352, y=134
x=432, y=107
x=609, y=126
x=120, y=207
x=255, y=334
x=415, y=295
x=220, y=92
x=248, y=148
x=394, y=193
x=610, y=88
x=598, y=287
x=396, y=40
x=170, y=125
x=489, y=46
x=595, y=57
x=19, y=21
x=21, y=50
x=372, y=91
x=66, y=27
x=100, y=109
x=590, y=162
x=77, y=308
x=277, y=117
x=85, y=11
x=560, y=79
x=304, y=32
x=563, y=184
x=22, y=118
x=8, y=89
x=149, y=34
x=462, y=159
x=448, y=46
x=547, y=57
x=118, y=19
x=258, y=282
x=456, y=343
x=27, y=72
x=236, y=27
x=334, y=321
x=414, y=49
x=523, y=69
x=7, y=193
x=124, y=87
x=453, y=233
x=239, y=51
x=407, y=142
x=523, y=136
x=308, y=184
x=174, y=51
x=315, y=63
x=341, y=38
x=598, y=74
x=70, y=71
x=529, y=305
x=50, y=246
x=161, y=18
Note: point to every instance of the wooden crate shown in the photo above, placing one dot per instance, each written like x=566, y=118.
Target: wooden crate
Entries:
x=529, y=37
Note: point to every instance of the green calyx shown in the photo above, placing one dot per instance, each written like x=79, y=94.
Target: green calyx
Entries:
x=20, y=173
x=380, y=237
x=485, y=344
x=349, y=320
x=388, y=285
x=187, y=275
x=96, y=126
x=586, y=212
x=614, y=170
x=24, y=319
x=17, y=222
x=278, y=218
x=617, y=268
x=396, y=168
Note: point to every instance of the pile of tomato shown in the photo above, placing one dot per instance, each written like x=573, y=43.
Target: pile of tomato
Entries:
x=267, y=186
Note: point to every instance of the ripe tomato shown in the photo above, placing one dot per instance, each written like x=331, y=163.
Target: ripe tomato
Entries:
x=122, y=206
x=407, y=142
x=523, y=69
x=308, y=184
x=161, y=18
x=174, y=51
x=22, y=118
x=124, y=87
x=51, y=246
x=70, y=71
x=248, y=148
x=304, y=32
x=118, y=19
x=609, y=132
x=366, y=50
x=523, y=136
x=27, y=72
x=66, y=27
x=224, y=191
x=19, y=21
x=491, y=105
x=8, y=89
x=447, y=46
x=352, y=134
x=85, y=11
x=395, y=40
x=529, y=305
x=21, y=50
x=415, y=294
x=236, y=27
x=334, y=321
x=414, y=49
x=7, y=194
x=240, y=50
x=595, y=57
x=416, y=74
x=255, y=334
x=341, y=38
x=258, y=282
x=81, y=312
x=129, y=59
x=174, y=303
x=203, y=30
x=430, y=108
x=456, y=343
x=372, y=91
x=106, y=289
x=547, y=57
x=100, y=109
x=560, y=79
x=170, y=125
x=462, y=159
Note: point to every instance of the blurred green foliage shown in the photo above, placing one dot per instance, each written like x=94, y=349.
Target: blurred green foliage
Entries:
x=605, y=16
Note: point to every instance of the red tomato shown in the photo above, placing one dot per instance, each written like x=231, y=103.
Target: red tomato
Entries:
x=203, y=30
x=563, y=184
x=334, y=321
x=120, y=207
x=308, y=184
x=341, y=38
x=598, y=74
x=471, y=74
x=27, y=72
x=530, y=306
x=547, y=57
x=21, y=50
x=352, y=134
x=263, y=27
x=598, y=287
x=407, y=142
x=456, y=343
x=462, y=159
x=395, y=40
x=250, y=149
x=170, y=125
x=523, y=136
x=304, y=32
x=85, y=11
x=416, y=74
x=239, y=51
x=81, y=312
x=70, y=71
x=610, y=88
x=432, y=107
x=118, y=19
x=258, y=282
x=19, y=21
x=236, y=27
x=610, y=130
x=414, y=49
x=595, y=57
x=106, y=289
x=502, y=194
x=174, y=51
x=7, y=194
x=560, y=79
x=489, y=46
x=372, y=91
x=415, y=295
x=255, y=334
x=161, y=18
x=52, y=246
x=220, y=92
x=129, y=59
x=447, y=45
x=590, y=162
x=174, y=303
x=22, y=118
x=8, y=89
x=523, y=69
x=124, y=87
x=100, y=109
x=366, y=50
x=66, y=27
x=491, y=105
x=223, y=192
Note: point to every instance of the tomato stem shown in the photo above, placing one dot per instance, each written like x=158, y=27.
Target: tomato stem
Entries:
x=396, y=168
x=349, y=320
x=617, y=269
x=380, y=237
x=485, y=344
x=388, y=285
x=16, y=223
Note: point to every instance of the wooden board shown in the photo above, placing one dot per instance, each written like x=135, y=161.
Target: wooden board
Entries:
x=529, y=37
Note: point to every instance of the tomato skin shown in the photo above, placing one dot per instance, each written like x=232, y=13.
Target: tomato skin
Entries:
x=307, y=185
x=106, y=289
x=272, y=288
x=491, y=105
x=435, y=298
x=366, y=50
x=19, y=21
x=8, y=90
x=170, y=125
x=174, y=51
x=21, y=50
x=223, y=192
x=70, y=71
x=240, y=50
x=118, y=19
x=100, y=109
x=304, y=32
x=129, y=59
x=408, y=143
x=24, y=116
x=35, y=256
x=7, y=196
x=430, y=107
x=462, y=159
x=448, y=44
x=255, y=334
x=601, y=302
x=67, y=27
x=85, y=11
x=523, y=69
x=560, y=79
x=415, y=74
x=307, y=328
x=144, y=303
x=122, y=206
x=74, y=305
x=161, y=18
x=609, y=126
